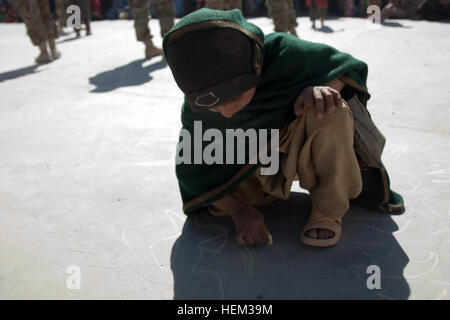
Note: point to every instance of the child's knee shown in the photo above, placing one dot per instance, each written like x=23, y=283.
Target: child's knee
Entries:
x=340, y=116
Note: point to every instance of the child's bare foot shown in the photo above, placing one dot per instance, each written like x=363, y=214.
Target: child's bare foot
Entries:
x=250, y=227
x=249, y=222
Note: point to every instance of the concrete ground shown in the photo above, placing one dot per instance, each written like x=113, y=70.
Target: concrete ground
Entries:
x=87, y=178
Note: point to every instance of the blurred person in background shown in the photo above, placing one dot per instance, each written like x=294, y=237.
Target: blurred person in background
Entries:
x=96, y=10
x=223, y=4
x=85, y=8
x=4, y=5
x=435, y=10
x=166, y=14
x=284, y=15
x=61, y=11
x=189, y=6
x=402, y=9
x=233, y=4
x=317, y=8
x=40, y=28
x=349, y=8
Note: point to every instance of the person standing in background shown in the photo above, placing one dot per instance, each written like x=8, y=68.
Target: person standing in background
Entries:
x=284, y=15
x=96, y=10
x=223, y=4
x=105, y=5
x=317, y=8
x=402, y=9
x=189, y=6
x=166, y=14
x=233, y=4
x=61, y=10
x=215, y=4
x=39, y=23
x=85, y=8
x=165, y=10
x=3, y=10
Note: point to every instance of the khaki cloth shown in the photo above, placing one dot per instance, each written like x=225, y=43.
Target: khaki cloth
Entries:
x=320, y=152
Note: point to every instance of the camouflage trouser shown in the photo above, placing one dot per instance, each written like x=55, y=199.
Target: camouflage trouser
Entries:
x=215, y=4
x=164, y=10
x=233, y=4
x=38, y=20
x=61, y=10
x=283, y=14
x=224, y=4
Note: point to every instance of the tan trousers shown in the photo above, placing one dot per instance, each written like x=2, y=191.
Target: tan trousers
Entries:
x=319, y=152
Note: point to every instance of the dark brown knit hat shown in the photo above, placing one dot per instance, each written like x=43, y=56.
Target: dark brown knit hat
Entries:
x=213, y=64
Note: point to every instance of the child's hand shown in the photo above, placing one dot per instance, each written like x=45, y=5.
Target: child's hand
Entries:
x=322, y=98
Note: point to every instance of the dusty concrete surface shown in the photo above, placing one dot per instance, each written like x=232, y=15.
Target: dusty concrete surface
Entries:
x=87, y=178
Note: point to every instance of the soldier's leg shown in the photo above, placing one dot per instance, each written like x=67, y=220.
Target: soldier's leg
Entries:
x=292, y=18
x=233, y=4
x=391, y=11
x=323, y=15
x=60, y=9
x=279, y=10
x=165, y=10
x=215, y=4
x=47, y=19
x=140, y=10
x=29, y=11
x=313, y=14
x=86, y=15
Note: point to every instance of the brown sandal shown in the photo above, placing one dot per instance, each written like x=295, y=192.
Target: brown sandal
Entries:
x=319, y=221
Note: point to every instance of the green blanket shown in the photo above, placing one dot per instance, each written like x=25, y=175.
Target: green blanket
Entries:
x=289, y=65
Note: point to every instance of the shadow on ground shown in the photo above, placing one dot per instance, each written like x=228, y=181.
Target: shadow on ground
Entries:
x=325, y=29
x=208, y=264
x=393, y=24
x=10, y=75
x=131, y=74
x=67, y=40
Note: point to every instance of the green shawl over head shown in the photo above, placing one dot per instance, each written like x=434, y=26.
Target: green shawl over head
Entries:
x=289, y=65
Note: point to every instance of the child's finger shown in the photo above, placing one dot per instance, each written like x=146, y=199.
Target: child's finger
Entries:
x=318, y=102
x=329, y=99
x=265, y=237
x=258, y=238
x=308, y=99
x=337, y=97
x=249, y=239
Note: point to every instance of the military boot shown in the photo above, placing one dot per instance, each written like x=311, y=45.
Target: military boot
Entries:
x=55, y=53
x=43, y=57
x=293, y=31
x=151, y=51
